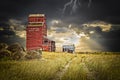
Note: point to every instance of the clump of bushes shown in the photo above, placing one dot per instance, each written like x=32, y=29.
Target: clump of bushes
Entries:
x=3, y=46
x=33, y=54
x=17, y=52
x=5, y=54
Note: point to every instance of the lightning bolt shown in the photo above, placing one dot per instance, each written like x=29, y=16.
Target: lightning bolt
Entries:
x=67, y=4
x=73, y=4
x=89, y=3
x=79, y=3
x=74, y=7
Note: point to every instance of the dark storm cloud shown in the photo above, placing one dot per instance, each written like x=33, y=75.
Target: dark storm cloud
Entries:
x=105, y=10
x=9, y=36
x=110, y=39
x=98, y=10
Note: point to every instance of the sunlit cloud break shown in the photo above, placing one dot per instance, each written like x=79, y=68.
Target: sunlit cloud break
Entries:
x=103, y=25
x=63, y=33
x=17, y=27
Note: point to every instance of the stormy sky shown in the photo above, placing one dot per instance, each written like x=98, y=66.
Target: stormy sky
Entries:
x=92, y=25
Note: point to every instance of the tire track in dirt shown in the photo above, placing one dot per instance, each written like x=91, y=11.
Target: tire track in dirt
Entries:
x=90, y=74
x=60, y=73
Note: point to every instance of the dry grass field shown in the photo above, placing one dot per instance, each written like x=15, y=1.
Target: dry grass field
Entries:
x=63, y=66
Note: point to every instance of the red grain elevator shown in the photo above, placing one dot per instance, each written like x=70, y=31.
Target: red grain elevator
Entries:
x=36, y=34
x=36, y=30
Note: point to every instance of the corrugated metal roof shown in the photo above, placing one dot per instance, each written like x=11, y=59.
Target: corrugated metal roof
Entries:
x=69, y=46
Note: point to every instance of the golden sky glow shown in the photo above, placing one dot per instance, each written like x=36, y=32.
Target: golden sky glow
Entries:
x=64, y=33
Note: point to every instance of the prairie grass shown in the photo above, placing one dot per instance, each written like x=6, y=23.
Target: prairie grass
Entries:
x=82, y=67
x=94, y=67
x=104, y=67
x=76, y=71
x=44, y=69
